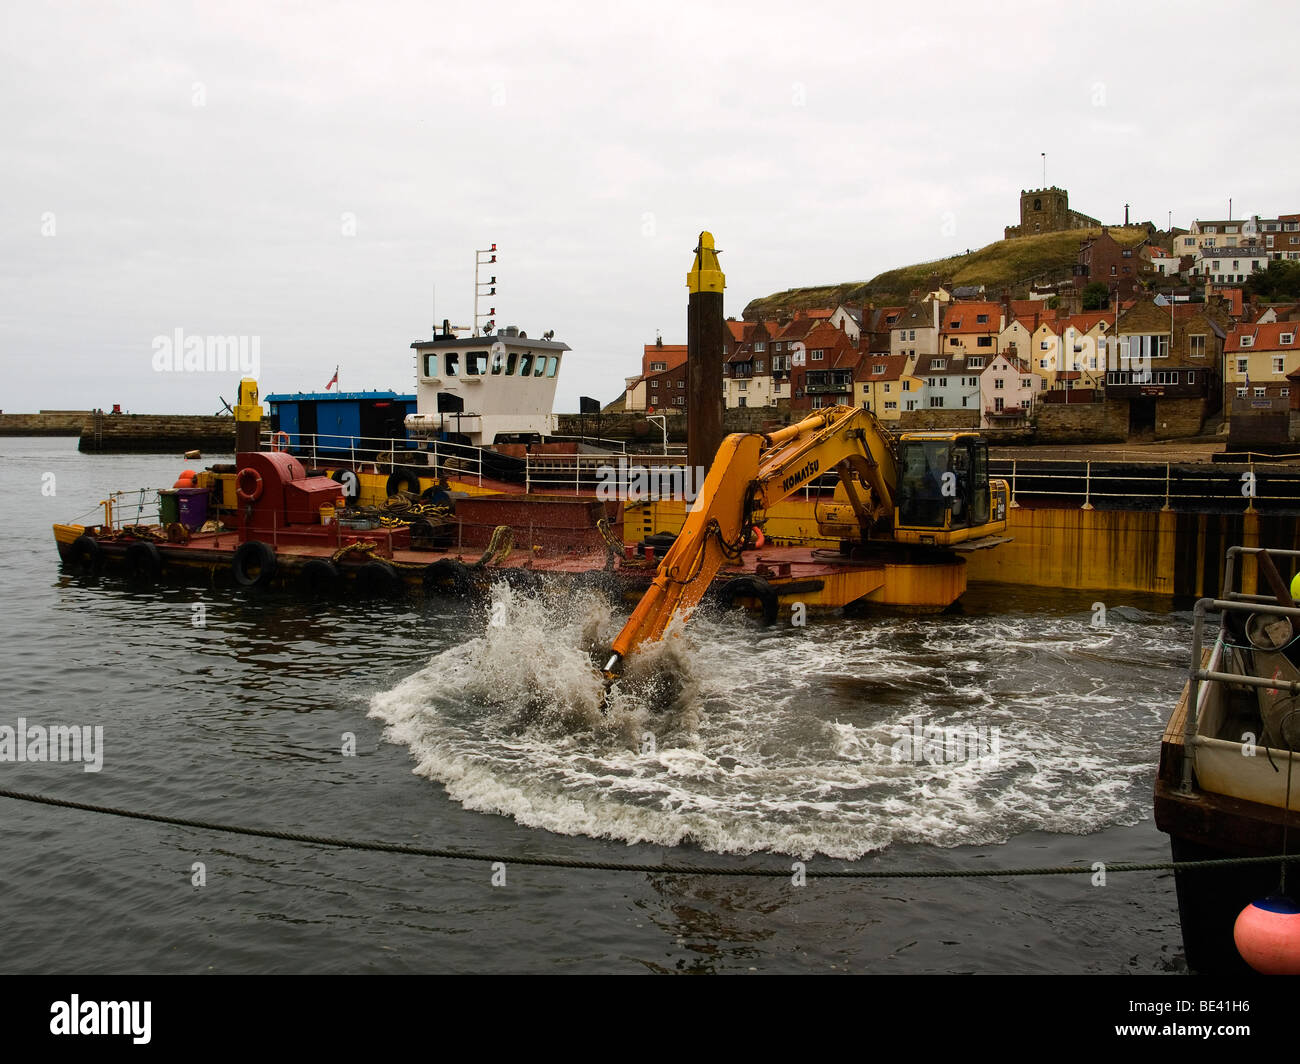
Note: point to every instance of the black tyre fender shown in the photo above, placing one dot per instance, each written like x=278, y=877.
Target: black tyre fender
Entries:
x=143, y=561
x=404, y=478
x=377, y=579
x=85, y=555
x=254, y=564
x=447, y=576
x=350, y=482
x=754, y=587
x=318, y=578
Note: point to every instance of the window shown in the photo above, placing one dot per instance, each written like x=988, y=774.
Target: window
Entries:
x=431, y=365
x=911, y=334
x=984, y=341
x=758, y=365
x=953, y=342
x=476, y=363
x=1044, y=345
x=891, y=406
x=998, y=404
x=1285, y=393
x=878, y=370
x=1026, y=382
x=911, y=404
x=1288, y=338
x=936, y=401
x=741, y=401
x=981, y=319
x=742, y=386
x=525, y=365
x=939, y=363
x=818, y=354
x=975, y=362
x=1242, y=364
x=941, y=382
x=907, y=386
x=760, y=346
x=1241, y=393
x=963, y=400
x=453, y=362
x=1196, y=346
x=1247, y=341
x=658, y=367
x=681, y=383
x=1191, y=376
x=1260, y=393
x=1165, y=376
x=1277, y=364
x=1024, y=404
x=999, y=383
x=654, y=386
x=679, y=400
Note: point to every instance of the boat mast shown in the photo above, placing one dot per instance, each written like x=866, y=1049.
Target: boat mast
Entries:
x=490, y=284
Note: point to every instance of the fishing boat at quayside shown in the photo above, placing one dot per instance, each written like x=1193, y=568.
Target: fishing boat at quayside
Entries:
x=1228, y=784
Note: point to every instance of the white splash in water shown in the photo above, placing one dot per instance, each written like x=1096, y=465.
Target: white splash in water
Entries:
x=738, y=739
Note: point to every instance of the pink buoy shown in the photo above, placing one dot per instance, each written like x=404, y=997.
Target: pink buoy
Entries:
x=1267, y=934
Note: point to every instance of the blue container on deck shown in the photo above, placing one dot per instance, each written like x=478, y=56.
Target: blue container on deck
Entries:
x=193, y=507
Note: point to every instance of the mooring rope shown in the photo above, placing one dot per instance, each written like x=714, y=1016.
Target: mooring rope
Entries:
x=627, y=866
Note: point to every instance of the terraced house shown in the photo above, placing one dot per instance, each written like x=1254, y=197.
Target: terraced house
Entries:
x=971, y=329
x=1259, y=358
x=1166, y=366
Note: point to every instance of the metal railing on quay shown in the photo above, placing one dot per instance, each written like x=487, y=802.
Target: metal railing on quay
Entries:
x=1227, y=485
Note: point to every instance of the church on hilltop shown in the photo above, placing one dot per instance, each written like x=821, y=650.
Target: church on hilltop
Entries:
x=1047, y=210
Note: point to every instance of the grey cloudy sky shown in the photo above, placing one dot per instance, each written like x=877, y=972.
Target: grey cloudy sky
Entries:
x=168, y=166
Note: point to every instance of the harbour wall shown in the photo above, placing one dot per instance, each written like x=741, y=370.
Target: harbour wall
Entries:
x=1162, y=552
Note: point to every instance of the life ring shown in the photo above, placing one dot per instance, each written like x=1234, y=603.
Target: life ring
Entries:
x=752, y=587
x=143, y=562
x=280, y=441
x=245, y=491
x=447, y=576
x=253, y=564
x=377, y=579
x=318, y=578
x=85, y=556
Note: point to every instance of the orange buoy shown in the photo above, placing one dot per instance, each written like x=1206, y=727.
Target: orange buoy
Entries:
x=760, y=540
x=1267, y=934
x=187, y=479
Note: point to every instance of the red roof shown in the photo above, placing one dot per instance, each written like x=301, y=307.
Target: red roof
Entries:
x=893, y=366
x=964, y=318
x=1265, y=337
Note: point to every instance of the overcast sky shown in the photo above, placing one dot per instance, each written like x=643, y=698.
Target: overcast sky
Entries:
x=310, y=175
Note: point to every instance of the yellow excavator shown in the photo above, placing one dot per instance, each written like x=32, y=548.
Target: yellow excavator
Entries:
x=930, y=490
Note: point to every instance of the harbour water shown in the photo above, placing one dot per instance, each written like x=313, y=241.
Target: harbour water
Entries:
x=822, y=744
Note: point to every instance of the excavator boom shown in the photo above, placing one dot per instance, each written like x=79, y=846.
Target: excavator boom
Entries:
x=750, y=473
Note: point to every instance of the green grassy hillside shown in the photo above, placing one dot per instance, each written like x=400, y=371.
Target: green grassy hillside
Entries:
x=1005, y=264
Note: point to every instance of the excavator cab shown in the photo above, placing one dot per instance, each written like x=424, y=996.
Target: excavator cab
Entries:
x=944, y=495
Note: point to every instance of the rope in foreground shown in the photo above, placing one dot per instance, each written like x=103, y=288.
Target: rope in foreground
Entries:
x=623, y=866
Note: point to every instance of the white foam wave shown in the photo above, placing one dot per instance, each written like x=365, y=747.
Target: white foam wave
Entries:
x=738, y=739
